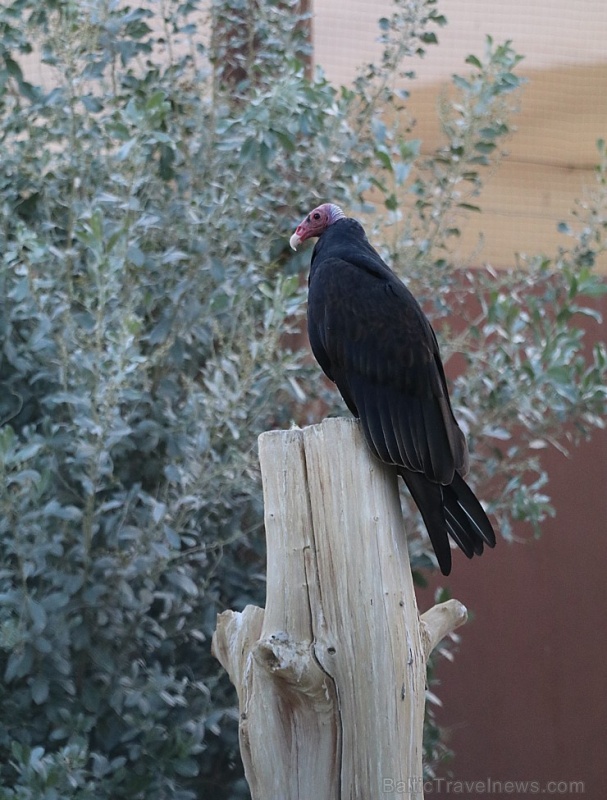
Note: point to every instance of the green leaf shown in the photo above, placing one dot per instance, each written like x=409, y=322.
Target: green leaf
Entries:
x=155, y=100
x=384, y=159
x=19, y=663
x=40, y=690
x=186, y=767
x=391, y=202
x=429, y=37
x=37, y=615
x=474, y=61
x=185, y=583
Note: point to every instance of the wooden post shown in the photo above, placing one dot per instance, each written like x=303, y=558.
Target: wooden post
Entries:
x=331, y=677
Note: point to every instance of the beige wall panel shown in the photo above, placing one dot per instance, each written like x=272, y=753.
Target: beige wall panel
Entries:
x=521, y=206
x=549, y=164
x=562, y=108
x=547, y=32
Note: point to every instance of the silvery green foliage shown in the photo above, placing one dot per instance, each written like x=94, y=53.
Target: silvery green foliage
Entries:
x=150, y=312
x=147, y=304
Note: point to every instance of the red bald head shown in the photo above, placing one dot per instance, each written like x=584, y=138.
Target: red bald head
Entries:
x=316, y=222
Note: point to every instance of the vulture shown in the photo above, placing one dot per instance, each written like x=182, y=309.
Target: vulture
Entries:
x=372, y=339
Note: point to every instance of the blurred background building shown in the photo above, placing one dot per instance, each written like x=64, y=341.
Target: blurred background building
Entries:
x=524, y=699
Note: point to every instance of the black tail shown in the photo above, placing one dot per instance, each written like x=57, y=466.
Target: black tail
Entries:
x=451, y=510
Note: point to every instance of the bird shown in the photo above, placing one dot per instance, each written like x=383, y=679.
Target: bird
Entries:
x=371, y=338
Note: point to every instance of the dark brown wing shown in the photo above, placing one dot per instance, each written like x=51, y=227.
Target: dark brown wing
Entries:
x=371, y=337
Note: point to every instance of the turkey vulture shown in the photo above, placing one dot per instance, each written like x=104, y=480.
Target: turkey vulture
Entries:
x=372, y=339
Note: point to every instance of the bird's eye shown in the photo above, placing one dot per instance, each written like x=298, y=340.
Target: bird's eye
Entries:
x=317, y=215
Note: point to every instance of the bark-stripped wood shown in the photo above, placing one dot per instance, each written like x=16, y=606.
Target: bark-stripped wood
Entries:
x=331, y=677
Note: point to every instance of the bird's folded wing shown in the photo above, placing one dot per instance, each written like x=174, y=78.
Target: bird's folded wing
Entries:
x=371, y=337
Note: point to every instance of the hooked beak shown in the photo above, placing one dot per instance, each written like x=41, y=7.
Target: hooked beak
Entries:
x=295, y=241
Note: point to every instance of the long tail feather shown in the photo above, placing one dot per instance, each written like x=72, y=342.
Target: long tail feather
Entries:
x=451, y=510
x=458, y=492
x=428, y=498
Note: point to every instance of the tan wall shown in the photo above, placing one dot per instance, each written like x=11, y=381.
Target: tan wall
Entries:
x=563, y=107
x=549, y=167
x=549, y=33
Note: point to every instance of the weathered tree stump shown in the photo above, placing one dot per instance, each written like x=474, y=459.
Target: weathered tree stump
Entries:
x=331, y=676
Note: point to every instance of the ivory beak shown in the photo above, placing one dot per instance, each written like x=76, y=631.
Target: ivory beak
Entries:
x=295, y=241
